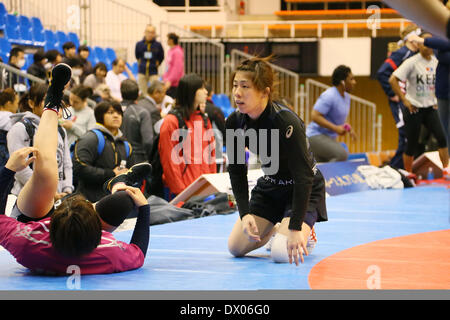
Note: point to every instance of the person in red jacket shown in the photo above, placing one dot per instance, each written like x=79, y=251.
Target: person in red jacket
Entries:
x=187, y=152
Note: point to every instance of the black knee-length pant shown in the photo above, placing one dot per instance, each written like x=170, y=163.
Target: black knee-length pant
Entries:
x=429, y=117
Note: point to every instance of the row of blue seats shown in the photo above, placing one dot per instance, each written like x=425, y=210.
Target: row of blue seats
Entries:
x=29, y=31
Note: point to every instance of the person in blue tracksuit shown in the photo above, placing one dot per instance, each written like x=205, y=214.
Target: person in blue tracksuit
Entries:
x=149, y=54
x=394, y=60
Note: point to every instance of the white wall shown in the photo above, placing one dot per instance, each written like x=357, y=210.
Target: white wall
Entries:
x=263, y=7
x=353, y=52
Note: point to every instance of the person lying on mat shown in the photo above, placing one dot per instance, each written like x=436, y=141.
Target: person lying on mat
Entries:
x=49, y=240
x=292, y=191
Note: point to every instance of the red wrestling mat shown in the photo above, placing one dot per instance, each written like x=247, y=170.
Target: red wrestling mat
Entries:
x=419, y=261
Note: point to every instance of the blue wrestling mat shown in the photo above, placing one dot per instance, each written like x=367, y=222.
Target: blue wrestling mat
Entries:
x=193, y=255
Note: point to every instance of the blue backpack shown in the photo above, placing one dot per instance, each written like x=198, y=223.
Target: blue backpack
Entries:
x=101, y=144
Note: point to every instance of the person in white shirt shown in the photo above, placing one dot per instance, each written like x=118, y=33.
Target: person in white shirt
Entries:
x=82, y=117
x=115, y=77
x=420, y=102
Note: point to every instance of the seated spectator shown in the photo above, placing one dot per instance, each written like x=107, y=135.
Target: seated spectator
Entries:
x=69, y=51
x=103, y=93
x=115, y=77
x=137, y=123
x=183, y=162
x=328, y=118
x=53, y=58
x=151, y=100
x=21, y=135
x=97, y=77
x=77, y=70
x=17, y=61
x=9, y=103
x=83, y=55
x=82, y=118
x=93, y=169
x=37, y=68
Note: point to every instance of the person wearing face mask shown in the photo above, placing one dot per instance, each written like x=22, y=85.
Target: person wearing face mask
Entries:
x=38, y=69
x=77, y=70
x=188, y=152
x=17, y=61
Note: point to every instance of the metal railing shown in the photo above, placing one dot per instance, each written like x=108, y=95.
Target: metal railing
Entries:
x=21, y=81
x=362, y=117
x=311, y=28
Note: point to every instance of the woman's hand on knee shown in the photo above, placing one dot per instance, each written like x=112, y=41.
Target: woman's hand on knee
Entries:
x=296, y=246
x=20, y=159
x=250, y=228
x=135, y=194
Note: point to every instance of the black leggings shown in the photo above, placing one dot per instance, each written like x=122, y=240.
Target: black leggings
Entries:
x=429, y=117
x=113, y=209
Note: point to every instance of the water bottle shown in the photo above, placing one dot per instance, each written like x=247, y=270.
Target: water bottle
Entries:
x=123, y=164
x=430, y=175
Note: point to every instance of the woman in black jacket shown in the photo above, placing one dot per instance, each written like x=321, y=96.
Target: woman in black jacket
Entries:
x=101, y=153
x=292, y=190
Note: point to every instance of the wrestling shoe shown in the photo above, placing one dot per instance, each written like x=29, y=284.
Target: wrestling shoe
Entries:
x=133, y=178
x=60, y=76
x=312, y=241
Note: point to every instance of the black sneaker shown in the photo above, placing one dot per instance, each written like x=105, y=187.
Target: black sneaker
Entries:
x=61, y=75
x=133, y=178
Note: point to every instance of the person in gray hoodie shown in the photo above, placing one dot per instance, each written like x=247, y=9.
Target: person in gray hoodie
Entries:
x=92, y=168
x=31, y=106
x=137, y=124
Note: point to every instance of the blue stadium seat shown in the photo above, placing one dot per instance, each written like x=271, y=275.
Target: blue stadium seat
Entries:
x=111, y=54
x=50, y=40
x=38, y=37
x=50, y=36
x=12, y=20
x=3, y=10
x=101, y=54
x=5, y=46
x=25, y=30
x=12, y=28
x=62, y=38
x=2, y=21
x=74, y=38
x=24, y=22
x=92, y=57
x=37, y=24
